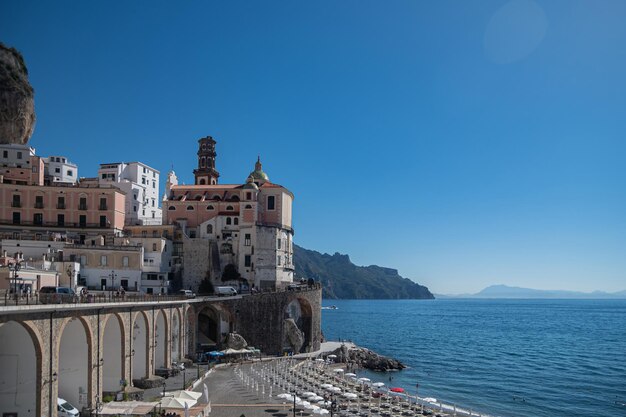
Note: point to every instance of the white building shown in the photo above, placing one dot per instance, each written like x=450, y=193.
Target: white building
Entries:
x=15, y=155
x=141, y=185
x=57, y=169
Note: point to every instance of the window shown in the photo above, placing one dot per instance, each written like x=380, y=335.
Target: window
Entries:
x=154, y=247
x=19, y=155
x=209, y=229
x=155, y=233
x=144, y=170
x=70, y=172
x=248, y=195
x=143, y=180
x=60, y=202
x=229, y=208
x=135, y=209
x=247, y=240
x=103, y=260
x=271, y=202
x=135, y=197
x=236, y=220
x=248, y=260
x=38, y=219
x=209, y=207
x=228, y=220
x=153, y=184
x=153, y=202
x=103, y=221
x=248, y=206
x=189, y=208
x=60, y=219
x=82, y=204
x=38, y=201
x=144, y=233
x=5, y=154
x=17, y=217
x=125, y=261
x=57, y=170
x=279, y=261
x=103, y=203
x=17, y=201
x=171, y=208
x=82, y=220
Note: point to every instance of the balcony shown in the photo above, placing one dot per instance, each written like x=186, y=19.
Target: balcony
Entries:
x=56, y=224
x=82, y=206
x=61, y=206
x=16, y=204
x=39, y=205
x=103, y=207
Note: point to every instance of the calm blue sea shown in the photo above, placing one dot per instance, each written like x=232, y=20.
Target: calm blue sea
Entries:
x=517, y=358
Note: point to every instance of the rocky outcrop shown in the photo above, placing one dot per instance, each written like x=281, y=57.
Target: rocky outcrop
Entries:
x=17, y=105
x=359, y=357
x=235, y=341
x=294, y=336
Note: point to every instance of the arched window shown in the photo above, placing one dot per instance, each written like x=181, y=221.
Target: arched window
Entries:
x=229, y=208
x=236, y=221
x=202, y=162
x=189, y=207
x=198, y=198
x=209, y=229
x=209, y=207
x=234, y=198
x=248, y=206
x=217, y=197
x=228, y=220
x=202, y=182
x=172, y=208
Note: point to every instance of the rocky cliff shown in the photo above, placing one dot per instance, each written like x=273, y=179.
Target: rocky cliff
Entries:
x=342, y=279
x=17, y=105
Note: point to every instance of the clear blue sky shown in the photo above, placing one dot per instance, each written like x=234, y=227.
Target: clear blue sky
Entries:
x=465, y=143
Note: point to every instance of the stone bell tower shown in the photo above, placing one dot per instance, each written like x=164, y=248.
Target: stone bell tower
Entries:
x=206, y=172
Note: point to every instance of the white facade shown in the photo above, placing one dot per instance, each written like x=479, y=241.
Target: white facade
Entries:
x=14, y=155
x=57, y=169
x=141, y=185
x=156, y=262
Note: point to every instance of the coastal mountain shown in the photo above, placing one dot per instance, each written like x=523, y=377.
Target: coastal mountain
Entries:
x=505, y=291
x=342, y=279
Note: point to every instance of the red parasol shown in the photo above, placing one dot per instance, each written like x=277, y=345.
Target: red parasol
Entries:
x=396, y=389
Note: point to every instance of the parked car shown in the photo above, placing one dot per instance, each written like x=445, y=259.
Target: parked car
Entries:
x=225, y=291
x=56, y=295
x=187, y=293
x=65, y=409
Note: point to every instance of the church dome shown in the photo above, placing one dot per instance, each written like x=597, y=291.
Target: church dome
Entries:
x=250, y=185
x=258, y=173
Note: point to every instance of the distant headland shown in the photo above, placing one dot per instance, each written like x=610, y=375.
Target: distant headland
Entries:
x=505, y=291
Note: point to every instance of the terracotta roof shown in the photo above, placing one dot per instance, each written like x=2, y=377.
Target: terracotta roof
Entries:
x=207, y=187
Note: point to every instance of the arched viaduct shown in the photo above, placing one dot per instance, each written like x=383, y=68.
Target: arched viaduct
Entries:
x=80, y=351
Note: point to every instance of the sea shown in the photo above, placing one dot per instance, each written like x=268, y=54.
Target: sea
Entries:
x=515, y=358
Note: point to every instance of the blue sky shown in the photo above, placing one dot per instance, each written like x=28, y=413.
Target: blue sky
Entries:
x=463, y=143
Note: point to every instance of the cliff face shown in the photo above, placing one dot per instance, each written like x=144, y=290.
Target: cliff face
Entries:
x=342, y=279
x=17, y=105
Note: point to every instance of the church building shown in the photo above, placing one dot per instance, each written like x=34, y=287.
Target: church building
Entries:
x=233, y=234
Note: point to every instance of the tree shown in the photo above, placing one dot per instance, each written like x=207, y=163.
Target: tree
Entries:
x=206, y=286
x=230, y=273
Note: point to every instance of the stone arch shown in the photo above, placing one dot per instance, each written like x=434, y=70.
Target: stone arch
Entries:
x=140, y=340
x=161, y=328
x=214, y=323
x=176, y=336
x=113, y=352
x=298, y=313
x=74, y=370
x=21, y=365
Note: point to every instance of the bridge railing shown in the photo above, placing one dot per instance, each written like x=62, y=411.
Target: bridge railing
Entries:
x=34, y=299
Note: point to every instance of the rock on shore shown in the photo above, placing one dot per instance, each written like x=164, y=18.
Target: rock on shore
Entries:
x=367, y=359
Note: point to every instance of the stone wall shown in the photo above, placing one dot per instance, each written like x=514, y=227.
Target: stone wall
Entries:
x=260, y=318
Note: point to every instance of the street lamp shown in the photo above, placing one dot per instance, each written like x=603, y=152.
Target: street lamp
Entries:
x=333, y=404
x=164, y=388
x=98, y=406
x=15, y=267
x=113, y=276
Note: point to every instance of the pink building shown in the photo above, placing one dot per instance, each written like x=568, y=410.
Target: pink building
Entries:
x=246, y=226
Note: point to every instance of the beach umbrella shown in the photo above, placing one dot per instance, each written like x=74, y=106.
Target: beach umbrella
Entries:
x=332, y=356
x=171, y=402
x=350, y=374
x=319, y=360
x=337, y=370
x=326, y=386
x=186, y=395
x=364, y=380
x=396, y=389
x=309, y=394
x=320, y=411
x=378, y=384
x=336, y=390
x=350, y=395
